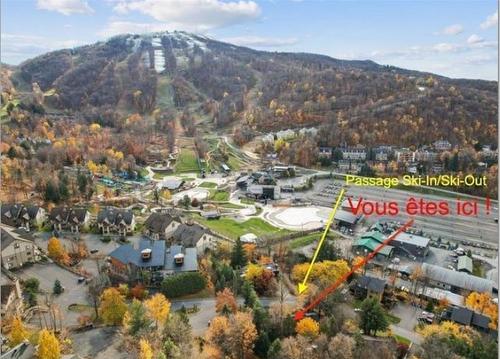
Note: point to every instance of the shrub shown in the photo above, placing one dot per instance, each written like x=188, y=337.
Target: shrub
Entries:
x=182, y=284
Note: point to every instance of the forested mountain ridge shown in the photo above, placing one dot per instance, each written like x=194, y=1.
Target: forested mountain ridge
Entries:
x=350, y=101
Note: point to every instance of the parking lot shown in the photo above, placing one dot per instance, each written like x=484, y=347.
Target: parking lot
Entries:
x=74, y=293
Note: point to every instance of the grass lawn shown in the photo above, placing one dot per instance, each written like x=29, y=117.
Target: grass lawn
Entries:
x=477, y=269
x=208, y=185
x=392, y=319
x=186, y=162
x=304, y=241
x=219, y=196
x=402, y=340
x=233, y=229
x=247, y=200
x=230, y=205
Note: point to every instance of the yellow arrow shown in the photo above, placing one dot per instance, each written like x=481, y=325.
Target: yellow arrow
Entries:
x=303, y=286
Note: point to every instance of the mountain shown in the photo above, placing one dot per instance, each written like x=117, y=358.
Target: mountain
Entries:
x=257, y=92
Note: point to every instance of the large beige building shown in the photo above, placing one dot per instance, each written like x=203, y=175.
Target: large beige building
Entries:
x=18, y=248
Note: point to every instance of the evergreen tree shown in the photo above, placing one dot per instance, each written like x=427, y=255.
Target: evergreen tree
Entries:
x=274, y=350
x=82, y=181
x=248, y=293
x=136, y=318
x=58, y=289
x=52, y=192
x=238, y=256
x=373, y=318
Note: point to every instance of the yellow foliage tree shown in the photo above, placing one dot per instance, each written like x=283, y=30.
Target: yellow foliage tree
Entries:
x=307, y=327
x=112, y=307
x=146, y=352
x=48, y=346
x=158, y=308
x=18, y=332
x=95, y=128
x=253, y=271
x=478, y=301
x=56, y=251
x=324, y=272
x=446, y=328
x=483, y=303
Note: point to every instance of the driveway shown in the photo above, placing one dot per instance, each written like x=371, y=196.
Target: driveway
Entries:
x=199, y=320
x=47, y=273
x=405, y=327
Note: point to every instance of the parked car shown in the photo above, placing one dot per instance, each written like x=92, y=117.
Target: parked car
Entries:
x=81, y=280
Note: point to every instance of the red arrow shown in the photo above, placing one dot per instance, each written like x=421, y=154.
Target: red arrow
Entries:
x=301, y=313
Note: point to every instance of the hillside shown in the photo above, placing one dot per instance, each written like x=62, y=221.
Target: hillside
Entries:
x=224, y=85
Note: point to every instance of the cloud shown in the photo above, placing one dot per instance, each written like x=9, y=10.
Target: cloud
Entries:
x=193, y=15
x=258, y=41
x=490, y=21
x=16, y=48
x=125, y=27
x=445, y=47
x=66, y=7
x=474, y=39
x=454, y=29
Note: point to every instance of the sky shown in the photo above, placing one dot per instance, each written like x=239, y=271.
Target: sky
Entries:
x=455, y=38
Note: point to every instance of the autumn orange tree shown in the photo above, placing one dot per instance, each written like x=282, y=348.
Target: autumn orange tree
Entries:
x=250, y=250
x=233, y=337
x=225, y=302
x=48, y=345
x=307, y=327
x=158, y=308
x=18, y=332
x=112, y=307
x=56, y=251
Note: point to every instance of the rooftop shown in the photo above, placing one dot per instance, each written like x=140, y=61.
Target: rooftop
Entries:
x=465, y=263
x=458, y=279
x=371, y=283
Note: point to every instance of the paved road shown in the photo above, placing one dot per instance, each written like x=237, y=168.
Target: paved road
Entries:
x=199, y=320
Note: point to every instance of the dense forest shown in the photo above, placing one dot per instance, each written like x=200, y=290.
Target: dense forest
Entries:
x=351, y=101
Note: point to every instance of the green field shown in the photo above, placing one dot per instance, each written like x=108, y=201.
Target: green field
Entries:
x=221, y=196
x=208, y=185
x=402, y=340
x=304, y=241
x=186, y=162
x=232, y=229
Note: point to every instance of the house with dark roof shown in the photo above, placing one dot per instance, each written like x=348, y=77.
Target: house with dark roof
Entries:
x=161, y=225
x=74, y=219
x=345, y=218
x=32, y=217
x=18, y=248
x=78, y=219
x=128, y=262
x=18, y=215
x=468, y=317
x=10, y=214
x=406, y=244
x=58, y=217
x=368, y=287
x=111, y=219
x=193, y=235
